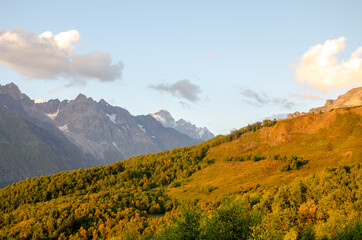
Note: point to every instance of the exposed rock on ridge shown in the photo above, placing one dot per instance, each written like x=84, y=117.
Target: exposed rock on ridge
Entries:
x=165, y=118
x=351, y=98
x=101, y=132
x=106, y=133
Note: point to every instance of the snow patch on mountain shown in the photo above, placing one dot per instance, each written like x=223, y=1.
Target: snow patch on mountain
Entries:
x=142, y=128
x=52, y=116
x=64, y=128
x=164, y=117
x=182, y=126
x=112, y=117
x=159, y=118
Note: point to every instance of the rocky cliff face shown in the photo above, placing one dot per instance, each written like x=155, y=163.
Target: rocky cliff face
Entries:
x=106, y=133
x=165, y=138
x=30, y=143
x=28, y=108
x=165, y=118
x=351, y=98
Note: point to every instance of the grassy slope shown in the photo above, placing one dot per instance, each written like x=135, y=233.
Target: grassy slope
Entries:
x=326, y=140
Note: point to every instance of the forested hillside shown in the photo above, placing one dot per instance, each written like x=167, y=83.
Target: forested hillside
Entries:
x=292, y=179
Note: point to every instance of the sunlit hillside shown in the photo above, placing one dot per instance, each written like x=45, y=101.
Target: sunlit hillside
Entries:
x=324, y=140
x=291, y=179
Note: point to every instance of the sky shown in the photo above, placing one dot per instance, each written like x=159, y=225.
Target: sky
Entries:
x=219, y=64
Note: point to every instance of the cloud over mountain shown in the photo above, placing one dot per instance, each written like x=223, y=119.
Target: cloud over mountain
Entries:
x=320, y=68
x=306, y=95
x=47, y=56
x=263, y=99
x=182, y=89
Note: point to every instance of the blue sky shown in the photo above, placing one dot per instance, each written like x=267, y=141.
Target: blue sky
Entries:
x=220, y=64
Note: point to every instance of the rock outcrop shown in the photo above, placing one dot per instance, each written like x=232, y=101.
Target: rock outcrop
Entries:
x=350, y=99
x=185, y=127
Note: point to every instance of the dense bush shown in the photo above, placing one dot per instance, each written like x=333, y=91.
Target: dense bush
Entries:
x=292, y=163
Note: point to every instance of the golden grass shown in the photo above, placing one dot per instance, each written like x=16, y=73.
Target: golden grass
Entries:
x=326, y=140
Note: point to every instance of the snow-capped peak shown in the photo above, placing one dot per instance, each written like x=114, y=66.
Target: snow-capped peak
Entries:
x=159, y=118
x=161, y=110
x=164, y=117
x=182, y=126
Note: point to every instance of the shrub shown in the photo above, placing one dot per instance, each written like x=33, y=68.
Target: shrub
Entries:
x=353, y=232
x=231, y=221
x=292, y=163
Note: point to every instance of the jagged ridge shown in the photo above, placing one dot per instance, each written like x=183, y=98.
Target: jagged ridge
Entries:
x=165, y=118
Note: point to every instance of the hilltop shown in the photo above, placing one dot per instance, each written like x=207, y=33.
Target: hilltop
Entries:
x=350, y=99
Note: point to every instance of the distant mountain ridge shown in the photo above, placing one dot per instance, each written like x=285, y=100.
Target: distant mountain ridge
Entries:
x=165, y=118
x=107, y=133
x=104, y=133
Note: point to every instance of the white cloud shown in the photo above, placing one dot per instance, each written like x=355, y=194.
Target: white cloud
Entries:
x=39, y=100
x=207, y=56
x=183, y=89
x=48, y=56
x=97, y=65
x=258, y=99
x=54, y=90
x=63, y=40
x=307, y=95
x=320, y=69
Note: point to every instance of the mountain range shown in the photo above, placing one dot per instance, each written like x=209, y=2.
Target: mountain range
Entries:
x=88, y=132
x=106, y=133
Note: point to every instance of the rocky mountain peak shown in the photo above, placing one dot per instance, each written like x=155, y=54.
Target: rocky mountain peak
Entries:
x=181, y=125
x=82, y=97
x=12, y=90
x=102, y=102
x=12, y=86
x=164, y=117
x=49, y=107
x=351, y=98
